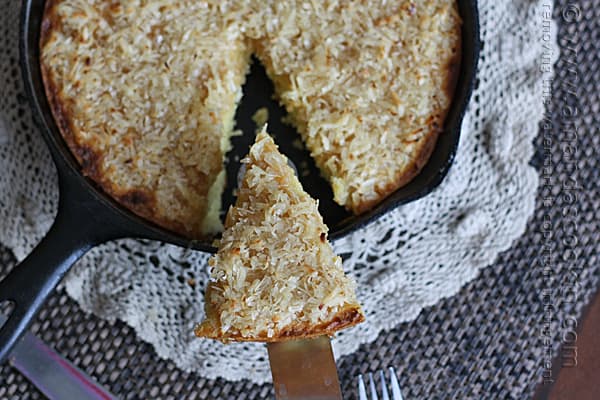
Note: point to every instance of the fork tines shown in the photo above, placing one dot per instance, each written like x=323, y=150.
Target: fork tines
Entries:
x=393, y=387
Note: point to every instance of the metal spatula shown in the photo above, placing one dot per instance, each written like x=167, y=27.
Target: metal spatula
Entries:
x=304, y=369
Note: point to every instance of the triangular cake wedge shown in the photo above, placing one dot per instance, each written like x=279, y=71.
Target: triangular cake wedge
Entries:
x=275, y=276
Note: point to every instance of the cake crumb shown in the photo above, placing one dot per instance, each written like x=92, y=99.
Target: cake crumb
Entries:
x=261, y=116
x=298, y=144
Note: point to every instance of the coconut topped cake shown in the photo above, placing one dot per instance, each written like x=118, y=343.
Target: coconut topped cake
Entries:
x=275, y=275
x=145, y=91
x=367, y=84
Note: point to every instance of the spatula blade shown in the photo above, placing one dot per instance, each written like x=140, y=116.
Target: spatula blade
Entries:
x=304, y=369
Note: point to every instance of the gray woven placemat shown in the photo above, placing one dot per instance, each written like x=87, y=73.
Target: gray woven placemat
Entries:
x=493, y=340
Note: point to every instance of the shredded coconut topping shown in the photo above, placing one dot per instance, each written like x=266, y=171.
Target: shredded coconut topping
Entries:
x=275, y=274
x=151, y=86
x=367, y=84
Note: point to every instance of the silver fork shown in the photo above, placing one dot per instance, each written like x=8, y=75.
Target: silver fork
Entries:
x=394, y=387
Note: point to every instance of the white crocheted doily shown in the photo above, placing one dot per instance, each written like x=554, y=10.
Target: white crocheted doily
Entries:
x=407, y=260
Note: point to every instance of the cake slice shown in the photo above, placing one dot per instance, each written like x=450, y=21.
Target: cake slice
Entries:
x=275, y=276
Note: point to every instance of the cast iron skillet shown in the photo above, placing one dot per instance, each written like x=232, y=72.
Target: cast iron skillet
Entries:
x=88, y=217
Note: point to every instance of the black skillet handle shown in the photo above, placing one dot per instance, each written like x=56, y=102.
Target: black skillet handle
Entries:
x=80, y=224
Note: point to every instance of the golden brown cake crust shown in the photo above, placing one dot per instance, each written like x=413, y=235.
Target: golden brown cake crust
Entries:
x=345, y=318
x=194, y=131
x=140, y=201
x=428, y=142
x=368, y=86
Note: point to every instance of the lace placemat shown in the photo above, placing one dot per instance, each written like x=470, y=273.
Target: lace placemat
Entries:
x=408, y=260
